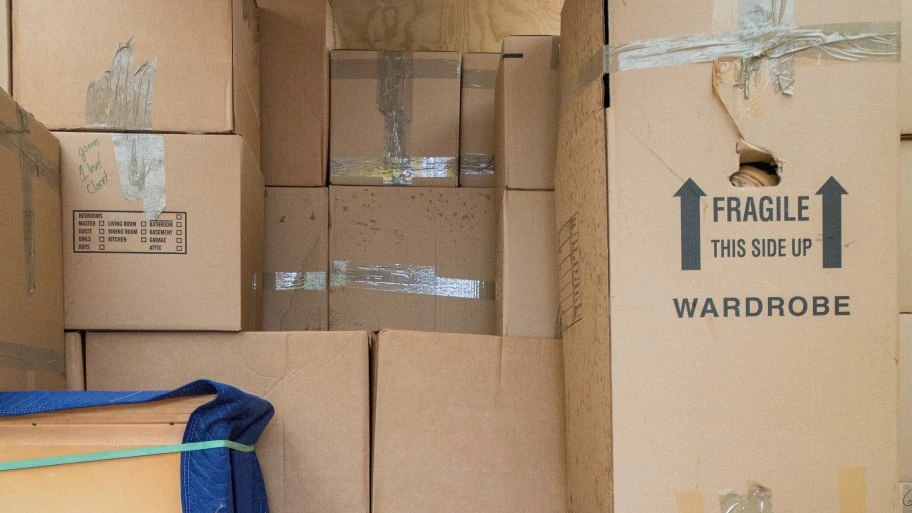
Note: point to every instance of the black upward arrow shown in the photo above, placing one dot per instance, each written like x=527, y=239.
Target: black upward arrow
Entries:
x=690, y=194
x=832, y=193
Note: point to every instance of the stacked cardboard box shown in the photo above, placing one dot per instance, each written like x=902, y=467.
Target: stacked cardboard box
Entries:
x=714, y=335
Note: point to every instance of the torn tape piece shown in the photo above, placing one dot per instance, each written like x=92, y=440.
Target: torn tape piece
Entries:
x=477, y=164
x=479, y=78
x=32, y=165
x=141, y=167
x=122, y=99
x=282, y=281
x=20, y=356
x=407, y=279
x=758, y=499
x=393, y=171
x=394, y=99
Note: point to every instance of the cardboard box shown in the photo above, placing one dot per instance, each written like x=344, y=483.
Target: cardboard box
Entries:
x=296, y=36
x=144, y=485
x=467, y=423
x=315, y=451
x=31, y=303
x=905, y=227
x=788, y=377
x=527, y=292
x=905, y=398
x=149, y=244
x=5, y=51
x=394, y=118
x=476, y=134
x=905, y=103
x=297, y=252
x=412, y=258
x=527, y=103
x=164, y=66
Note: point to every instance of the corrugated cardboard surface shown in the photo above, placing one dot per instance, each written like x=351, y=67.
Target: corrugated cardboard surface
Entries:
x=208, y=286
x=358, y=127
x=150, y=484
x=59, y=48
x=476, y=134
x=75, y=361
x=315, y=451
x=905, y=228
x=528, y=98
x=905, y=398
x=295, y=42
x=406, y=233
x=905, y=103
x=803, y=405
x=297, y=242
x=31, y=320
x=467, y=423
x=527, y=291
x=5, y=50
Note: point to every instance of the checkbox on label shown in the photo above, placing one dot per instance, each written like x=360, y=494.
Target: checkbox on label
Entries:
x=100, y=239
x=143, y=223
x=179, y=240
x=101, y=248
x=143, y=232
x=180, y=248
x=142, y=239
x=180, y=225
x=180, y=216
x=101, y=231
x=100, y=223
x=180, y=232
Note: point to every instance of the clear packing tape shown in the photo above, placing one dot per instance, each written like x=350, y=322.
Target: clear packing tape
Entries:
x=295, y=280
x=407, y=279
x=478, y=164
x=766, y=33
x=395, y=72
x=758, y=499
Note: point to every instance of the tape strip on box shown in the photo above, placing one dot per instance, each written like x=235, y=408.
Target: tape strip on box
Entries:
x=296, y=280
x=407, y=279
x=20, y=356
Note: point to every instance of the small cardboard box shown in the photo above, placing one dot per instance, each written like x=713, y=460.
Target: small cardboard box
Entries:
x=297, y=252
x=149, y=484
x=476, y=134
x=467, y=423
x=527, y=102
x=31, y=298
x=295, y=37
x=412, y=258
x=161, y=232
x=527, y=291
x=394, y=118
x=164, y=66
x=717, y=333
x=315, y=452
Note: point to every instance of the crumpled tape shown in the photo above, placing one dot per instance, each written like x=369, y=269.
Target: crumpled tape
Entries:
x=141, y=166
x=121, y=99
x=32, y=164
x=407, y=279
x=758, y=499
x=297, y=280
x=478, y=164
x=20, y=356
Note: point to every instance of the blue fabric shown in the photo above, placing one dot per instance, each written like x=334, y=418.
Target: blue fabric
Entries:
x=214, y=480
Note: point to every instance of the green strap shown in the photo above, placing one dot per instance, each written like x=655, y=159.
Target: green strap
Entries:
x=126, y=453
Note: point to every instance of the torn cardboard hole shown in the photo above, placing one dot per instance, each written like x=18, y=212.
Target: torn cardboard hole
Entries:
x=758, y=167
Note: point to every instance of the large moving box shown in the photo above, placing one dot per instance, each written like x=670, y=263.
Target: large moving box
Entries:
x=295, y=38
x=734, y=334
x=476, y=120
x=297, y=233
x=527, y=291
x=315, y=451
x=467, y=423
x=164, y=66
x=412, y=258
x=161, y=232
x=527, y=103
x=31, y=299
x=394, y=118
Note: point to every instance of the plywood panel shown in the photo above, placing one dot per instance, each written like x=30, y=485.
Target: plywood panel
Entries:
x=448, y=25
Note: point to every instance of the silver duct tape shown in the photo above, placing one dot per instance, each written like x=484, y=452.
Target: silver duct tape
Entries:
x=284, y=281
x=122, y=99
x=141, y=166
x=479, y=78
x=407, y=279
x=478, y=164
x=777, y=43
x=32, y=165
x=393, y=171
x=758, y=499
x=20, y=356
